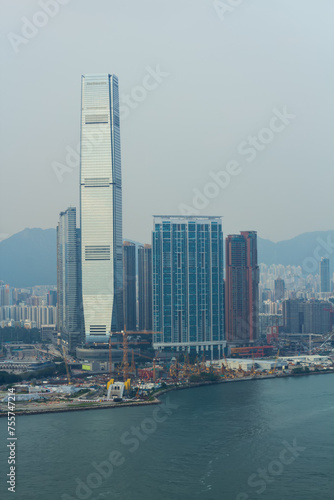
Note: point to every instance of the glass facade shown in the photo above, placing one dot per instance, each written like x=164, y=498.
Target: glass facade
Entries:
x=101, y=208
x=129, y=287
x=188, y=282
x=325, y=282
x=145, y=287
x=68, y=282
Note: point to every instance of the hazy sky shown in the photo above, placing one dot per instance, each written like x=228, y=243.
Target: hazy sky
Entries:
x=223, y=73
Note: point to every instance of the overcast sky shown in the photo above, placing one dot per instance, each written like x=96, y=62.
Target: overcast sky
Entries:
x=205, y=79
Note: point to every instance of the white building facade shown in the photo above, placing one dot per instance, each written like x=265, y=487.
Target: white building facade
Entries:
x=101, y=207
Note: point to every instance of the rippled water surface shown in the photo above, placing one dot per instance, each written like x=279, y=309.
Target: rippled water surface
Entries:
x=266, y=439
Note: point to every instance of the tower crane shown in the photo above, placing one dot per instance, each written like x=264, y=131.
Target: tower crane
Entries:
x=274, y=369
x=66, y=365
x=125, y=362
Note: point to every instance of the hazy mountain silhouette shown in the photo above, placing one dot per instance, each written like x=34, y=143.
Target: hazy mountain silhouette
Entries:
x=304, y=250
x=29, y=257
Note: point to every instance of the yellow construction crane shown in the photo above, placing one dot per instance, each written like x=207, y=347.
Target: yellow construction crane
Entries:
x=110, y=358
x=253, y=365
x=186, y=366
x=66, y=365
x=274, y=369
x=197, y=368
x=147, y=357
x=133, y=364
x=125, y=363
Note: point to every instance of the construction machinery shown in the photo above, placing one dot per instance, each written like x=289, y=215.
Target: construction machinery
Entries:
x=253, y=365
x=328, y=338
x=66, y=365
x=133, y=364
x=153, y=362
x=110, y=357
x=125, y=362
x=138, y=390
x=203, y=363
x=273, y=371
x=174, y=370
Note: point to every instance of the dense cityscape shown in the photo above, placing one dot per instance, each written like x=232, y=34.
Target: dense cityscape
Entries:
x=199, y=307
x=166, y=250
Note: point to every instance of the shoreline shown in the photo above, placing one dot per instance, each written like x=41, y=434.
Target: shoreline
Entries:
x=238, y=379
x=40, y=411
x=156, y=395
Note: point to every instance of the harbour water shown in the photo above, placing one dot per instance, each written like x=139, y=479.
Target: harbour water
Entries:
x=264, y=439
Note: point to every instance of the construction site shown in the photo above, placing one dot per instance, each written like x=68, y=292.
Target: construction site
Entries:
x=128, y=371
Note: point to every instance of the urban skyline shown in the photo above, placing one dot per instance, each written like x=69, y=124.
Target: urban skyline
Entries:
x=186, y=261
x=208, y=327
x=130, y=280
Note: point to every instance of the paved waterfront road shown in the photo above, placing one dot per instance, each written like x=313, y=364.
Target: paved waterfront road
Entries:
x=266, y=439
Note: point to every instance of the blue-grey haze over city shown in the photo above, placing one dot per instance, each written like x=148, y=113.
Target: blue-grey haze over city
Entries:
x=166, y=250
x=218, y=74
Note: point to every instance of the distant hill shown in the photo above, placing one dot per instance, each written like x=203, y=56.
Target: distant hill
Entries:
x=29, y=257
x=304, y=250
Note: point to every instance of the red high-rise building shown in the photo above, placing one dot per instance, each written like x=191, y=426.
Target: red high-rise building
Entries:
x=241, y=288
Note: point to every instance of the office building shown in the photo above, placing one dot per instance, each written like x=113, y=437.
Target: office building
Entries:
x=68, y=281
x=101, y=208
x=188, y=285
x=242, y=288
x=145, y=283
x=129, y=289
x=325, y=283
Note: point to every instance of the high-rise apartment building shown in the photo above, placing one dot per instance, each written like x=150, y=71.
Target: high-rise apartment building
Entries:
x=101, y=208
x=129, y=290
x=325, y=282
x=52, y=298
x=279, y=289
x=241, y=288
x=6, y=295
x=188, y=285
x=68, y=280
x=145, y=283
x=307, y=316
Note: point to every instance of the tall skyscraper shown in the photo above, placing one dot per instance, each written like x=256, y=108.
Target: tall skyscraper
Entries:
x=242, y=287
x=68, y=281
x=129, y=291
x=188, y=285
x=101, y=208
x=279, y=289
x=145, y=305
x=325, y=282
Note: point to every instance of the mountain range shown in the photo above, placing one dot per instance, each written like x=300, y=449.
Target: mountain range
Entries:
x=29, y=257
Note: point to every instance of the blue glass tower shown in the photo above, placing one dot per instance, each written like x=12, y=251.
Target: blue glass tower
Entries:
x=188, y=283
x=68, y=279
